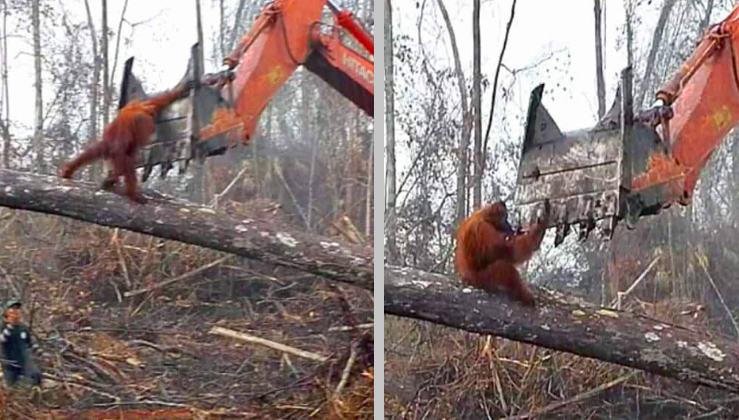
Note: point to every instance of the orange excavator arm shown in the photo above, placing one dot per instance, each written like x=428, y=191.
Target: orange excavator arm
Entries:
x=286, y=35
x=225, y=107
x=634, y=164
x=703, y=97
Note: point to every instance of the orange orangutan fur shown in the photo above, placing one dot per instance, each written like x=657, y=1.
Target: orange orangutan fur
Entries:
x=123, y=138
x=488, y=251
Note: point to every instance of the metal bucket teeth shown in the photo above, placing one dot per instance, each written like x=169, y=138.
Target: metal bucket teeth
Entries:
x=177, y=131
x=581, y=172
x=147, y=172
x=563, y=229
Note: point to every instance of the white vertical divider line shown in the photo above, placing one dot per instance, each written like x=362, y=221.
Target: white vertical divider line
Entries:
x=379, y=201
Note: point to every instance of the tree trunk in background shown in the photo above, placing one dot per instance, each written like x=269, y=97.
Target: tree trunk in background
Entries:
x=630, y=34
x=656, y=41
x=495, y=85
x=390, y=200
x=307, y=135
x=118, y=43
x=237, y=25
x=370, y=189
x=38, y=124
x=477, y=181
x=106, y=77
x=199, y=24
x=706, y=18
x=221, y=28
x=599, y=61
x=198, y=187
x=92, y=134
x=5, y=91
x=466, y=120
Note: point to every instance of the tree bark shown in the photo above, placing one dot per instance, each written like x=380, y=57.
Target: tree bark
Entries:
x=706, y=18
x=390, y=178
x=5, y=91
x=495, y=84
x=38, y=125
x=199, y=26
x=106, y=78
x=369, y=190
x=601, y=84
x=93, y=132
x=464, y=140
x=656, y=41
x=186, y=222
x=561, y=323
x=237, y=24
x=118, y=42
x=221, y=29
x=477, y=113
x=630, y=33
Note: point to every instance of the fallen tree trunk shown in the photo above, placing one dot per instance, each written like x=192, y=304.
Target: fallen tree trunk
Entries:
x=185, y=222
x=563, y=324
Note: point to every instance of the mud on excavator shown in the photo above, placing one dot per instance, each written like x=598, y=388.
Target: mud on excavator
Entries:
x=632, y=164
x=223, y=109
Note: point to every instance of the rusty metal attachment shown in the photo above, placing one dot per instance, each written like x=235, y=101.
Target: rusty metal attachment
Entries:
x=586, y=174
x=184, y=130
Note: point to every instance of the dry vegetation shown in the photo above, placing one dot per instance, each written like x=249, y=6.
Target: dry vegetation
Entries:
x=151, y=355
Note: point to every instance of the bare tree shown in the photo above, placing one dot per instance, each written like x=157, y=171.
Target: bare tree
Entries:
x=477, y=188
x=630, y=10
x=390, y=200
x=38, y=126
x=706, y=17
x=106, y=79
x=236, y=27
x=95, y=82
x=656, y=40
x=199, y=19
x=464, y=139
x=118, y=41
x=5, y=91
x=370, y=189
x=599, y=60
x=495, y=82
x=221, y=27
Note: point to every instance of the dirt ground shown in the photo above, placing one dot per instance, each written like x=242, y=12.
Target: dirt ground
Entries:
x=109, y=355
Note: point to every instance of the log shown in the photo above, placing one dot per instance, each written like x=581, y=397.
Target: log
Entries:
x=267, y=343
x=567, y=324
x=186, y=222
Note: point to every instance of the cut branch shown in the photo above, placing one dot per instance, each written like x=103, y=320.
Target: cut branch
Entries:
x=186, y=222
x=176, y=279
x=267, y=343
x=567, y=325
x=576, y=399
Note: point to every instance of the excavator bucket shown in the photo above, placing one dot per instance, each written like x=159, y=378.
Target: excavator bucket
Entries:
x=185, y=129
x=586, y=174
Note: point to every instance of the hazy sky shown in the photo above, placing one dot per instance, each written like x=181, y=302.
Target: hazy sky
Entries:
x=539, y=28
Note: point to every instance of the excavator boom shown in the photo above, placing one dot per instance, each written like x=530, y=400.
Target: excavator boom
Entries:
x=633, y=164
x=224, y=108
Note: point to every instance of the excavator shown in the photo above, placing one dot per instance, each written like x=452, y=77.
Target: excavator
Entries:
x=223, y=109
x=632, y=164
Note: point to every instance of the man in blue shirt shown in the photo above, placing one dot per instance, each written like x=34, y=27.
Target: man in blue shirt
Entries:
x=16, y=342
